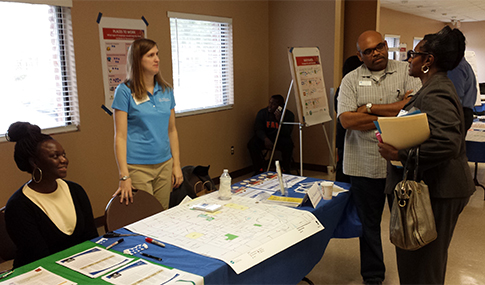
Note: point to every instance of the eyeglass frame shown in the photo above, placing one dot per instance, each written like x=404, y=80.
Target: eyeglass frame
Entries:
x=413, y=54
x=369, y=51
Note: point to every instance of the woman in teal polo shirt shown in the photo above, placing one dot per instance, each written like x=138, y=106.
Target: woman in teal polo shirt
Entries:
x=146, y=139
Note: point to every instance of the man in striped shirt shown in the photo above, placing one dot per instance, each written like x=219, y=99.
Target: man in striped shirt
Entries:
x=379, y=87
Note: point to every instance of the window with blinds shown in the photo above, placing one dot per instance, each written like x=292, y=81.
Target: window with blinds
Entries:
x=38, y=71
x=393, y=42
x=202, y=63
x=416, y=41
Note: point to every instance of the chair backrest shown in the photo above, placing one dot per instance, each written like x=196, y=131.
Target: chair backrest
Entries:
x=118, y=215
x=7, y=247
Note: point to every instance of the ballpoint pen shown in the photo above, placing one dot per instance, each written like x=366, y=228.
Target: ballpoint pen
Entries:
x=113, y=234
x=115, y=243
x=150, y=240
x=151, y=256
x=8, y=273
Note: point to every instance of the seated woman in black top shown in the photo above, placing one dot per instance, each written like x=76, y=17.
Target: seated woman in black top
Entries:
x=47, y=214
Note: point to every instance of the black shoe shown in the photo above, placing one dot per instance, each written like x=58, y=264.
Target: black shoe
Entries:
x=373, y=281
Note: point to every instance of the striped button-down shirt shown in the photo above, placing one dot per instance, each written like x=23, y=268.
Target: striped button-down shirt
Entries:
x=359, y=87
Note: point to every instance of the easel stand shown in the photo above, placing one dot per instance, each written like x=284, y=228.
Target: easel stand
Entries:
x=300, y=128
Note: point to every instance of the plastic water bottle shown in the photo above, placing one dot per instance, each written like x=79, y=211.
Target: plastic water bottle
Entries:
x=225, y=186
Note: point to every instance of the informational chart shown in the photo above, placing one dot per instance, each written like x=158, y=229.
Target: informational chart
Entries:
x=115, y=37
x=309, y=87
x=243, y=233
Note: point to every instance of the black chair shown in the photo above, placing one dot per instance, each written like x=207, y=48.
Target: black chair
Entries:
x=7, y=247
x=118, y=215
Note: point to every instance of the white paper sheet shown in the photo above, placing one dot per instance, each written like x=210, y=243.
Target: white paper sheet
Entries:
x=268, y=182
x=146, y=273
x=94, y=262
x=243, y=233
x=38, y=276
x=476, y=133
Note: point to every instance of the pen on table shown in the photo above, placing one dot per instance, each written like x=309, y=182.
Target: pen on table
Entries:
x=113, y=234
x=150, y=240
x=115, y=243
x=6, y=274
x=151, y=256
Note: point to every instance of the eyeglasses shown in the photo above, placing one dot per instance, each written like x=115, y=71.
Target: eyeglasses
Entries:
x=413, y=54
x=380, y=47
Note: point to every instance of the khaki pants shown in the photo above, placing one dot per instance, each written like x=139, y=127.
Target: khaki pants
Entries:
x=155, y=179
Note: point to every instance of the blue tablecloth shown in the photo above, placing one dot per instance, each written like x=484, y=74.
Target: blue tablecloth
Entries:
x=475, y=151
x=338, y=216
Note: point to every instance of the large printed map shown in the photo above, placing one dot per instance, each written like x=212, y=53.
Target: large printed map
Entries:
x=243, y=233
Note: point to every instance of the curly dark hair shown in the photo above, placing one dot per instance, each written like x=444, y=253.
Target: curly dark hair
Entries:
x=28, y=138
x=447, y=46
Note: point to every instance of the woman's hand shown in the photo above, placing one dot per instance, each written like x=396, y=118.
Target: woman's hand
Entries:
x=177, y=177
x=125, y=190
x=388, y=151
x=407, y=95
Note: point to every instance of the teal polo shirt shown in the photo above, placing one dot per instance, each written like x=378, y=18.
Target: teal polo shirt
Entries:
x=147, y=134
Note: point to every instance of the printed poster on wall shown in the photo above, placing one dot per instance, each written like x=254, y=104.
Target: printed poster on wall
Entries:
x=115, y=37
x=309, y=85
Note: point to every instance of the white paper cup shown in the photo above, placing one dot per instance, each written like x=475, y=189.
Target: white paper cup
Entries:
x=327, y=189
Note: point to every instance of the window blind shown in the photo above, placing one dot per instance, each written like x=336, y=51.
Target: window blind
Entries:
x=202, y=62
x=39, y=69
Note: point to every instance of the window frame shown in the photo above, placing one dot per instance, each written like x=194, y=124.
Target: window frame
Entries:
x=227, y=95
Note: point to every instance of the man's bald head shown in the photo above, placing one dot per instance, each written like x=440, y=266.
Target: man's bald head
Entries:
x=372, y=50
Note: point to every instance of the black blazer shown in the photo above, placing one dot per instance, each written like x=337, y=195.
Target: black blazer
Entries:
x=443, y=164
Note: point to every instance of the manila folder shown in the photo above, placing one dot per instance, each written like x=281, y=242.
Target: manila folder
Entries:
x=404, y=132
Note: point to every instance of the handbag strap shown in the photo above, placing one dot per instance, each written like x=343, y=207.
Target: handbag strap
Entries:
x=403, y=194
x=416, y=165
x=412, y=152
x=408, y=160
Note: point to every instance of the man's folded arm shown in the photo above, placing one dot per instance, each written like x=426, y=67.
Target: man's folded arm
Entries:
x=357, y=121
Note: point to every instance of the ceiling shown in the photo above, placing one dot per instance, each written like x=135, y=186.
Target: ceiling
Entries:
x=440, y=10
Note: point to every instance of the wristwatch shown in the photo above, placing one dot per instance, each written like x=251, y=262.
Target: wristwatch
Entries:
x=369, y=107
x=124, y=178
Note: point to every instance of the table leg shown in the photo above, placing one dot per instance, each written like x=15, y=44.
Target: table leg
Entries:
x=475, y=180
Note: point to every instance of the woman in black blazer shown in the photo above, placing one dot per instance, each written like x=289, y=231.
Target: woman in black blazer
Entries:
x=443, y=163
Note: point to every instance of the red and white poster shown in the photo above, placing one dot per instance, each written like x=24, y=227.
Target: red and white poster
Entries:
x=115, y=37
x=309, y=85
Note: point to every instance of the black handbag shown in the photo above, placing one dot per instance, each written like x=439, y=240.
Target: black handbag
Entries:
x=412, y=223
